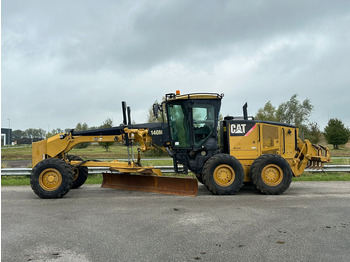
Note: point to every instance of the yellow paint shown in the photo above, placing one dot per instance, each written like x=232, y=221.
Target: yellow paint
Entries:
x=274, y=139
x=196, y=96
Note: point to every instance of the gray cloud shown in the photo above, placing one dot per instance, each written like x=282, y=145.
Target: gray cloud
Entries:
x=74, y=61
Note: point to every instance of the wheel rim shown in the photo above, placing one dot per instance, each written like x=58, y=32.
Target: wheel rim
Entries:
x=224, y=175
x=50, y=179
x=272, y=175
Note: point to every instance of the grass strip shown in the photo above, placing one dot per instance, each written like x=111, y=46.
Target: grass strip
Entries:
x=329, y=176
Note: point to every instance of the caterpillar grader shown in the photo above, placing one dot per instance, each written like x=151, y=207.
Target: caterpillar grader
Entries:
x=222, y=154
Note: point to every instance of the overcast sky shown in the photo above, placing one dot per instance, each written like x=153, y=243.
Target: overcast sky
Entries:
x=65, y=62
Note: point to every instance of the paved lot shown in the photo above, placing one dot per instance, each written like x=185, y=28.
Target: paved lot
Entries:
x=310, y=222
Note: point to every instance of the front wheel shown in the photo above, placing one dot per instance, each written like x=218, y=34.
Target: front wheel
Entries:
x=223, y=174
x=271, y=174
x=51, y=178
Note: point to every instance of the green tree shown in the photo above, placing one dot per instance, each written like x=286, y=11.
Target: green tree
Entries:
x=82, y=127
x=151, y=117
x=267, y=113
x=54, y=132
x=106, y=124
x=28, y=136
x=336, y=133
x=313, y=133
x=292, y=112
x=17, y=134
x=35, y=134
x=41, y=133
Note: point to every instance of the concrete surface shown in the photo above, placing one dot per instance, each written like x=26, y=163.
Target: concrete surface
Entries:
x=309, y=222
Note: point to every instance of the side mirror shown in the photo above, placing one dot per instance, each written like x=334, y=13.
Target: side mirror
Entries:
x=155, y=110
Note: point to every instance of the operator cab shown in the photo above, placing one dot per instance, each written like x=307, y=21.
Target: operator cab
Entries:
x=192, y=121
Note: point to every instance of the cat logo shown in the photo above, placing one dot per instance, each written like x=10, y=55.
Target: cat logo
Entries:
x=241, y=129
x=238, y=129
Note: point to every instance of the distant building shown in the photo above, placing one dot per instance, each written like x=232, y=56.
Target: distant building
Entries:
x=6, y=136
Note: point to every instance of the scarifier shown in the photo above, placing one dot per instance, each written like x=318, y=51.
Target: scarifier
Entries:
x=221, y=155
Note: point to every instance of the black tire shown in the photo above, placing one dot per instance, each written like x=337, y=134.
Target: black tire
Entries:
x=223, y=174
x=51, y=178
x=80, y=174
x=271, y=174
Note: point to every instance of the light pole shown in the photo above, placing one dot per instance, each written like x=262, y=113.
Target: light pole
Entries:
x=9, y=122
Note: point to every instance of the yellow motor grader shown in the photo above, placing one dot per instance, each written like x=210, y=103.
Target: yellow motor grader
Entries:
x=222, y=155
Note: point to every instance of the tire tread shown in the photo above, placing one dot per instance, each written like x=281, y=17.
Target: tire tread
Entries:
x=260, y=163
x=210, y=166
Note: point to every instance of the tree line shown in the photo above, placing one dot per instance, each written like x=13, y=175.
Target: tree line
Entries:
x=31, y=135
x=28, y=136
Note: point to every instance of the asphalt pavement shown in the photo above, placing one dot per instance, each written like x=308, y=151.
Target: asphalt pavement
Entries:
x=309, y=222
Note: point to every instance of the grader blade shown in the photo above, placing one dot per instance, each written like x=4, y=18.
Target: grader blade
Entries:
x=155, y=184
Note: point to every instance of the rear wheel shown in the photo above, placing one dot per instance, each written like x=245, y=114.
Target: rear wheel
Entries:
x=51, y=178
x=223, y=174
x=271, y=174
x=80, y=173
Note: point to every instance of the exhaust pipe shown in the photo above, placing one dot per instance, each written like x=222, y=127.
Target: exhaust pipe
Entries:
x=245, y=112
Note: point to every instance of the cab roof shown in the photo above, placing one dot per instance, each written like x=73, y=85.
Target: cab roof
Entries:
x=173, y=96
